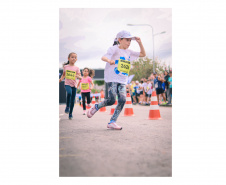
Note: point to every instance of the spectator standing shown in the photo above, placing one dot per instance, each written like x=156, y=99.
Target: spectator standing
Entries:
x=170, y=88
x=158, y=86
x=166, y=77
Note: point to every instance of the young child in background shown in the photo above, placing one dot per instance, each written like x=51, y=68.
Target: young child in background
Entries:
x=149, y=91
x=116, y=72
x=70, y=73
x=86, y=86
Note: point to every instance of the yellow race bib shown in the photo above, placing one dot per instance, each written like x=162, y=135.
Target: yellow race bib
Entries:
x=85, y=86
x=124, y=66
x=70, y=75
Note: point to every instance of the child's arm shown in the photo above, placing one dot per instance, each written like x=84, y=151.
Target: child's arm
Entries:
x=62, y=77
x=78, y=85
x=92, y=85
x=142, y=51
x=79, y=76
x=111, y=62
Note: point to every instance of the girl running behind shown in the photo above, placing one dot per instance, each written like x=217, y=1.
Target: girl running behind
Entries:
x=85, y=88
x=70, y=73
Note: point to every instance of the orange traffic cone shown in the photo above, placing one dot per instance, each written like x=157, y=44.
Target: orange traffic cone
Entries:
x=154, y=112
x=93, y=100
x=113, y=107
x=128, y=106
x=103, y=109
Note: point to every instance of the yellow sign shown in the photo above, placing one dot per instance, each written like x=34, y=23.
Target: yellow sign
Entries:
x=85, y=86
x=70, y=75
x=124, y=66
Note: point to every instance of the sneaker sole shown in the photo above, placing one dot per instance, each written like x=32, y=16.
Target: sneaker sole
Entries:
x=114, y=128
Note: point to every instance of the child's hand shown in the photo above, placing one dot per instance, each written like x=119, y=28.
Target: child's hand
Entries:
x=79, y=77
x=138, y=39
x=111, y=62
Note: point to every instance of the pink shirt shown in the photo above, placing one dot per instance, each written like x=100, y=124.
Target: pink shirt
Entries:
x=85, y=84
x=70, y=72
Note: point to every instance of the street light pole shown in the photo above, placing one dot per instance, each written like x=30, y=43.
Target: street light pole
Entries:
x=152, y=39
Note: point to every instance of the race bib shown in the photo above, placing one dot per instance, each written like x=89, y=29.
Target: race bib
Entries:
x=85, y=86
x=70, y=75
x=124, y=66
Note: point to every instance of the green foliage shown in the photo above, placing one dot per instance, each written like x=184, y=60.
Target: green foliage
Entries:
x=99, y=82
x=92, y=90
x=95, y=90
x=144, y=67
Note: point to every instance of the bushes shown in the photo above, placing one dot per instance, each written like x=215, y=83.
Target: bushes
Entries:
x=92, y=91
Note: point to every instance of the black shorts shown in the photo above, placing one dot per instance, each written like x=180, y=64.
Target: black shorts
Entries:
x=146, y=94
x=141, y=92
x=159, y=91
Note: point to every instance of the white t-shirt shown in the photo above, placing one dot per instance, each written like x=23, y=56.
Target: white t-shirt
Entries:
x=138, y=89
x=149, y=88
x=114, y=53
x=144, y=85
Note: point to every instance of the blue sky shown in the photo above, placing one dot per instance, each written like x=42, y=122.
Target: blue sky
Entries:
x=91, y=31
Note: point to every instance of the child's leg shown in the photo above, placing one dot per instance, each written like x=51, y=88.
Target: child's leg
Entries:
x=72, y=99
x=121, y=101
x=88, y=97
x=84, y=100
x=112, y=91
x=69, y=93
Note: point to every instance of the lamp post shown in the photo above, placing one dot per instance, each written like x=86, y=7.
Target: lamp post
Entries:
x=152, y=38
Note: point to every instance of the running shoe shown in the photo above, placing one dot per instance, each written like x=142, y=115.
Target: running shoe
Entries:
x=114, y=126
x=88, y=105
x=70, y=116
x=84, y=112
x=67, y=110
x=92, y=111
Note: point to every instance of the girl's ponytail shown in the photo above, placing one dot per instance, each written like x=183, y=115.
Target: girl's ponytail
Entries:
x=91, y=73
x=66, y=63
x=115, y=42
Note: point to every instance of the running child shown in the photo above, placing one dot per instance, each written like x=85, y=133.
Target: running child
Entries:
x=118, y=59
x=85, y=88
x=70, y=73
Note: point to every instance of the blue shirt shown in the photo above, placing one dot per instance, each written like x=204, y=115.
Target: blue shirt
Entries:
x=170, y=80
x=159, y=83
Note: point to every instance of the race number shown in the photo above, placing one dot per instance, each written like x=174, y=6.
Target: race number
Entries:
x=84, y=86
x=124, y=66
x=70, y=75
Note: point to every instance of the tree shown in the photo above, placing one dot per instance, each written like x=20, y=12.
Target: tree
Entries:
x=143, y=67
x=99, y=82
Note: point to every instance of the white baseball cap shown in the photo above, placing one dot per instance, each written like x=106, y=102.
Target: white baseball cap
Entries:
x=125, y=34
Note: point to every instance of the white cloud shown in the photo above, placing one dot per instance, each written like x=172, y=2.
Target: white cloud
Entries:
x=90, y=32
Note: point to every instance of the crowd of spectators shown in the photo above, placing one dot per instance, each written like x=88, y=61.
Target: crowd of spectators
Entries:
x=141, y=91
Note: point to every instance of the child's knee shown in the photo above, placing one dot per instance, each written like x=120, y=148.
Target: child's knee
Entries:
x=111, y=101
x=122, y=99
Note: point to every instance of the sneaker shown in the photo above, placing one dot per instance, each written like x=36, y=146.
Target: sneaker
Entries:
x=114, y=126
x=84, y=112
x=67, y=110
x=92, y=111
x=70, y=116
x=88, y=105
